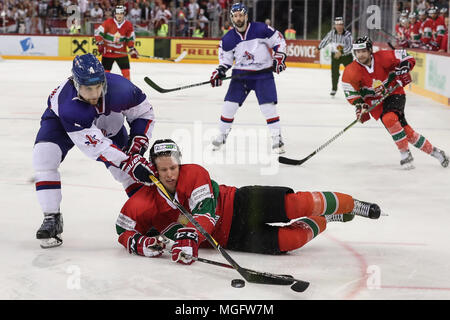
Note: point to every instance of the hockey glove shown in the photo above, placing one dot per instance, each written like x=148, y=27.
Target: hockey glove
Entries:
x=279, y=59
x=133, y=53
x=403, y=68
x=101, y=48
x=186, y=242
x=404, y=79
x=145, y=246
x=361, y=112
x=138, y=168
x=137, y=145
x=217, y=76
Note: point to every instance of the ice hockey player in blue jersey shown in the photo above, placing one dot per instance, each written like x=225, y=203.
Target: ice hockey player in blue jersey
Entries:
x=88, y=110
x=252, y=46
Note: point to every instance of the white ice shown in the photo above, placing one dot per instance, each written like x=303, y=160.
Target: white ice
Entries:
x=404, y=255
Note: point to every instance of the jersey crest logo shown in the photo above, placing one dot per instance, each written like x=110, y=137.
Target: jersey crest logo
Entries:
x=249, y=56
x=378, y=87
x=92, y=140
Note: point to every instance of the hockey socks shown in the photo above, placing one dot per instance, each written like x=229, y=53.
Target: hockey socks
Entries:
x=306, y=204
x=418, y=140
x=392, y=124
x=300, y=232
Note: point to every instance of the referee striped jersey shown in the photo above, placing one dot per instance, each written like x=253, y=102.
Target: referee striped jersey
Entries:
x=345, y=40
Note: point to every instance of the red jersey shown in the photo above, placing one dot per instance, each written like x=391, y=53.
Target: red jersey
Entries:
x=439, y=29
x=115, y=36
x=210, y=204
x=426, y=30
x=365, y=84
x=414, y=30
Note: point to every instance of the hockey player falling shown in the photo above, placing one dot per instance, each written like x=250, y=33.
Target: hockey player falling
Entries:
x=236, y=217
x=368, y=78
x=88, y=110
x=115, y=35
x=250, y=46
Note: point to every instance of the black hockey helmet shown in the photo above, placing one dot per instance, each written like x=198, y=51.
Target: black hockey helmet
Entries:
x=363, y=43
x=165, y=147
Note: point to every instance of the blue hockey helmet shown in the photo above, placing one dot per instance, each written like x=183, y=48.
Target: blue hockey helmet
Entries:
x=87, y=70
x=238, y=7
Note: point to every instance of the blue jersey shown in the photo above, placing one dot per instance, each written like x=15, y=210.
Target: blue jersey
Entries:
x=252, y=50
x=91, y=127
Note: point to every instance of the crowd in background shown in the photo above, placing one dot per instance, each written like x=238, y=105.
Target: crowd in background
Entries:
x=198, y=18
x=425, y=27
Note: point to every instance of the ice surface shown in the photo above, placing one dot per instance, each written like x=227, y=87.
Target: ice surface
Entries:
x=404, y=255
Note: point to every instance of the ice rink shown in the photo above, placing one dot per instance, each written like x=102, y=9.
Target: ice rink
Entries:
x=404, y=255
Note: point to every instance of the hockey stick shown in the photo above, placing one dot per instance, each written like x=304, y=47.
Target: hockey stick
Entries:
x=249, y=275
x=159, y=89
x=177, y=59
x=296, y=162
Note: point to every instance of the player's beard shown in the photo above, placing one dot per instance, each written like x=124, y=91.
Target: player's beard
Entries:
x=240, y=24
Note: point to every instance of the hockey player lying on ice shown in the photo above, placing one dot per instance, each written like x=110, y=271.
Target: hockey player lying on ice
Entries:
x=368, y=78
x=237, y=218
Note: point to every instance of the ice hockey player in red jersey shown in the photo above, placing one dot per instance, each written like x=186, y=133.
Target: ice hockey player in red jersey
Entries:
x=368, y=78
x=237, y=218
x=116, y=35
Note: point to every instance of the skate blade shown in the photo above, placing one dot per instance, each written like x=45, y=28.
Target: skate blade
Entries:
x=216, y=148
x=408, y=167
x=278, y=150
x=51, y=242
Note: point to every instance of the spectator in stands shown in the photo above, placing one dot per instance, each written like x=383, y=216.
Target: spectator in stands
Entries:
x=193, y=10
x=268, y=22
x=226, y=27
x=213, y=11
x=162, y=17
x=290, y=33
x=96, y=12
x=146, y=11
x=202, y=20
x=135, y=14
x=181, y=21
x=55, y=10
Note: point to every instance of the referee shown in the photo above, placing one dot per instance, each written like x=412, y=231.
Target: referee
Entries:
x=341, y=50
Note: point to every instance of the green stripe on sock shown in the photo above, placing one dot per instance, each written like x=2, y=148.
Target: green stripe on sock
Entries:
x=312, y=224
x=399, y=136
x=419, y=144
x=331, y=203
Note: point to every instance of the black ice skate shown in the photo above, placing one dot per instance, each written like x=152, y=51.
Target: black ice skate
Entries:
x=50, y=231
x=407, y=160
x=441, y=156
x=366, y=209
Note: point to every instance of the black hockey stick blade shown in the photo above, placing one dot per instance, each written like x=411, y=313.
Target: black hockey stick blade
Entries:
x=290, y=161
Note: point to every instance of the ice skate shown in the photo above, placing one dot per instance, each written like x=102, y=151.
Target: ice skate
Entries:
x=333, y=93
x=345, y=217
x=278, y=144
x=407, y=160
x=441, y=156
x=50, y=231
x=219, y=141
x=366, y=209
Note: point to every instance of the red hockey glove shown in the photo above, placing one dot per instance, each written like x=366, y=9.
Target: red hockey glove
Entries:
x=101, y=48
x=361, y=112
x=138, y=168
x=279, y=62
x=217, y=76
x=404, y=79
x=133, y=53
x=186, y=242
x=137, y=145
x=145, y=246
